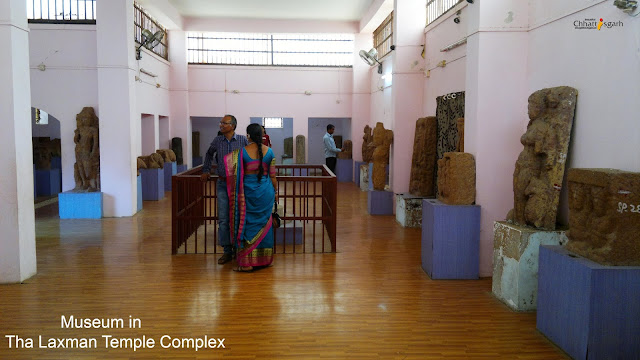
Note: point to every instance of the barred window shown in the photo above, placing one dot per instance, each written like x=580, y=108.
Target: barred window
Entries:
x=142, y=21
x=61, y=11
x=331, y=50
x=272, y=122
x=383, y=37
x=436, y=8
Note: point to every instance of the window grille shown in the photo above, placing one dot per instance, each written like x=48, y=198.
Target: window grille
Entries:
x=272, y=122
x=330, y=50
x=436, y=8
x=383, y=37
x=143, y=21
x=61, y=11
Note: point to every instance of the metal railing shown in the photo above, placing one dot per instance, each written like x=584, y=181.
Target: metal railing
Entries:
x=307, y=196
x=383, y=37
x=61, y=11
x=437, y=8
x=143, y=21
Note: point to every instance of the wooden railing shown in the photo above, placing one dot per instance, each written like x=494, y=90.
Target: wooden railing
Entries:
x=307, y=197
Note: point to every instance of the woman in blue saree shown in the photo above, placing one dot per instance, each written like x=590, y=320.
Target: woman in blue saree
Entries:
x=251, y=185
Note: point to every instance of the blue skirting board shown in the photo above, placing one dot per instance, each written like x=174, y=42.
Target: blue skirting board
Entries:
x=80, y=205
x=589, y=310
x=450, y=240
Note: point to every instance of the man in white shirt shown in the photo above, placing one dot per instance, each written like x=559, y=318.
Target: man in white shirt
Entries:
x=330, y=149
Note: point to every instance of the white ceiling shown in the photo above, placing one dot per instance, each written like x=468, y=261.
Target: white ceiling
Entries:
x=332, y=10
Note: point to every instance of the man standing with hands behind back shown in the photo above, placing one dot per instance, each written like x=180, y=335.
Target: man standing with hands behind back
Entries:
x=330, y=149
x=221, y=146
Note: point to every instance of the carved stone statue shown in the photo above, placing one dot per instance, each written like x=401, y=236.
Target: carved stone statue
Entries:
x=158, y=159
x=301, y=149
x=167, y=155
x=423, y=164
x=86, y=137
x=604, y=215
x=382, y=138
x=150, y=162
x=288, y=147
x=347, y=152
x=537, y=179
x=43, y=150
x=176, y=146
x=457, y=179
x=195, y=144
x=367, y=145
x=140, y=164
x=460, y=126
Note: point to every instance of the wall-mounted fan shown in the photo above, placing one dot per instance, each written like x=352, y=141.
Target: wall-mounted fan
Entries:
x=149, y=40
x=371, y=58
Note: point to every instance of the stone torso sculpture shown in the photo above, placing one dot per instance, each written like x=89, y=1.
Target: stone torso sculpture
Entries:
x=423, y=163
x=86, y=138
x=367, y=145
x=347, y=151
x=382, y=138
x=539, y=170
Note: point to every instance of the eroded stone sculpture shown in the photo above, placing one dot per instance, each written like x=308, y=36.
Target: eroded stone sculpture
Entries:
x=86, y=169
x=176, y=146
x=460, y=143
x=140, y=164
x=367, y=145
x=301, y=149
x=167, y=155
x=457, y=179
x=288, y=147
x=150, y=162
x=604, y=215
x=347, y=150
x=539, y=171
x=382, y=138
x=423, y=163
x=195, y=144
x=44, y=149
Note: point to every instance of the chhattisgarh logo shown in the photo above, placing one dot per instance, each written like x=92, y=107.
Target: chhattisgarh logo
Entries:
x=595, y=24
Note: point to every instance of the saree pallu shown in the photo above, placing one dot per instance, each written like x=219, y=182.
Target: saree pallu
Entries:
x=250, y=207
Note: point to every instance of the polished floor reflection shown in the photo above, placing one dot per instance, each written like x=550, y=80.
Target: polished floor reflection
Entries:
x=371, y=300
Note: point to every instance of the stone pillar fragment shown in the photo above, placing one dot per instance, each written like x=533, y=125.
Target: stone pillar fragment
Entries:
x=288, y=147
x=423, y=164
x=604, y=215
x=176, y=146
x=301, y=150
x=460, y=144
x=457, y=179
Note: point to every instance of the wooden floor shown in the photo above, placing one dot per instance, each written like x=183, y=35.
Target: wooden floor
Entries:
x=371, y=300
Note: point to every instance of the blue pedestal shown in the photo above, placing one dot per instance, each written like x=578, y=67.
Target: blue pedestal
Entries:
x=80, y=205
x=589, y=310
x=386, y=181
x=139, y=207
x=356, y=166
x=290, y=232
x=152, y=184
x=170, y=169
x=344, y=170
x=47, y=182
x=182, y=168
x=197, y=160
x=450, y=240
x=380, y=202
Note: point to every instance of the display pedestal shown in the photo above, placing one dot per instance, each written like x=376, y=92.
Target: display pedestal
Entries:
x=47, y=182
x=364, y=177
x=589, y=310
x=515, y=262
x=197, y=161
x=450, y=240
x=152, y=184
x=139, y=181
x=380, y=202
x=344, y=170
x=409, y=210
x=80, y=205
x=356, y=175
x=290, y=233
x=170, y=169
x=182, y=168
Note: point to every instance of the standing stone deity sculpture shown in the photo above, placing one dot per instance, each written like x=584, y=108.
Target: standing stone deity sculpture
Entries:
x=423, y=163
x=347, y=150
x=367, y=145
x=382, y=138
x=86, y=137
x=539, y=170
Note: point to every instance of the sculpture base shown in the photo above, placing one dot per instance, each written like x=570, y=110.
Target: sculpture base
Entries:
x=170, y=169
x=380, y=202
x=152, y=184
x=196, y=161
x=450, y=240
x=47, y=182
x=515, y=262
x=344, y=170
x=409, y=210
x=364, y=176
x=589, y=310
x=288, y=235
x=181, y=168
x=139, y=181
x=80, y=205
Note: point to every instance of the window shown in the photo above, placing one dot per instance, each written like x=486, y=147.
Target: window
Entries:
x=383, y=37
x=272, y=122
x=332, y=50
x=61, y=11
x=143, y=21
x=436, y=8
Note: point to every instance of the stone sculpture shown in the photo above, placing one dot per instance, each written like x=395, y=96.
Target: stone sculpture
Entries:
x=539, y=171
x=158, y=159
x=288, y=147
x=367, y=145
x=423, y=164
x=382, y=138
x=195, y=146
x=150, y=161
x=167, y=155
x=140, y=164
x=86, y=170
x=460, y=143
x=457, y=179
x=338, y=140
x=347, y=152
x=604, y=215
x=44, y=149
x=301, y=149
x=176, y=146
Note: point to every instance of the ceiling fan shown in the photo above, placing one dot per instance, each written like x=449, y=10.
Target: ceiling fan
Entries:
x=149, y=40
x=371, y=58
